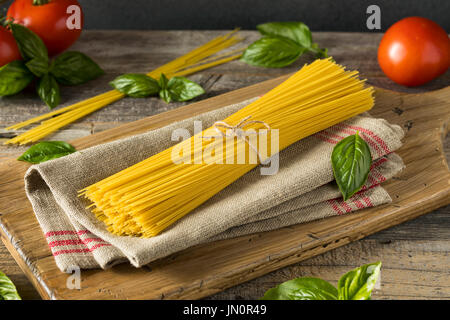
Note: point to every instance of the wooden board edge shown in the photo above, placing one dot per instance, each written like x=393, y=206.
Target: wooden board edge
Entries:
x=24, y=264
x=33, y=274
x=262, y=266
x=342, y=238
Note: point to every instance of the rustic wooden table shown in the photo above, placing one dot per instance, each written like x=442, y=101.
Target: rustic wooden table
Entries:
x=415, y=255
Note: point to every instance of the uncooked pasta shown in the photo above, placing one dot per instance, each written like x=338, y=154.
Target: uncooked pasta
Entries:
x=198, y=59
x=151, y=195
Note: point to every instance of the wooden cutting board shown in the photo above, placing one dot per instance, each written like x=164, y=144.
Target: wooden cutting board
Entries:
x=206, y=269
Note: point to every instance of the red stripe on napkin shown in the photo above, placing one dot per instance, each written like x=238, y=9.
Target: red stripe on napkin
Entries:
x=86, y=250
x=345, y=129
x=334, y=206
x=65, y=232
x=72, y=242
x=319, y=136
x=372, y=134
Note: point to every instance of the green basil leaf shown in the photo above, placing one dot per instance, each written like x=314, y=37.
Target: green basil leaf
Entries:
x=14, y=77
x=165, y=95
x=163, y=92
x=38, y=66
x=272, y=52
x=73, y=68
x=359, y=283
x=46, y=150
x=302, y=289
x=296, y=31
x=320, y=53
x=29, y=43
x=351, y=161
x=48, y=90
x=8, y=290
x=182, y=89
x=136, y=85
x=163, y=81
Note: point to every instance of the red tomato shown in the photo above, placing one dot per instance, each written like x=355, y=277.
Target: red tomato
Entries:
x=48, y=21
x=8, y=47
x=414, y=51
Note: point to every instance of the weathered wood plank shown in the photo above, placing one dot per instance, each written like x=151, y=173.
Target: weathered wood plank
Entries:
x=421, y=187
x=425, y=257
x=411, y=269
x=140, y=51
x=10, y=268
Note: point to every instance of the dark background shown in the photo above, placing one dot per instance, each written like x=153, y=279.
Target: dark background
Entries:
x=320, y=15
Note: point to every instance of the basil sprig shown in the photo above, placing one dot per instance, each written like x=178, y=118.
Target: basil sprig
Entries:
x=29, y=43
x=296, y=31
x=351, y=160
x=32, y=49
x=303, y=289
x=357, y=284
x=48, y=90
x=73, y=68
x=178, y=89
x=273, y=52
x=38, y=67
x=8, y=290
x=14, y=77
x=46, y=150
x=70, y=68
x=140, y=86
x=163, y=88
x=136, y=85
x=281, y=45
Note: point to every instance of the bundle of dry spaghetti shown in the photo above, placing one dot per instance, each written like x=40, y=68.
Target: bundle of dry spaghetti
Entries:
x=203, y=57
x=146, y=198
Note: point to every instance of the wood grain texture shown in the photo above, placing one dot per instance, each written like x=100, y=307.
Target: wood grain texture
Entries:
x=129, y=51
x=206, y=269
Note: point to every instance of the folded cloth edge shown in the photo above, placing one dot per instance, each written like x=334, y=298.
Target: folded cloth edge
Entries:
x=397, y=134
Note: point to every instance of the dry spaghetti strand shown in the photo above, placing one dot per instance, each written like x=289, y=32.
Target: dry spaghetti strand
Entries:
x=148, y=197
x=198, y=59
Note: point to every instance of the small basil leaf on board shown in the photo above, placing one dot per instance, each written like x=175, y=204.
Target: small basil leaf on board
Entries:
x=48, y=90
x=351, y=161
x=302, y=289
x=46, y=150
x=37, y=66
x=8, y=290
x=165, y=95
x=182, y=89
x=136, y=85
x=163, y=92
x=74, y=68
x=14, y=77
x=163, y=81
x=29, y=43
x=359, y=283
x=296, y=31
x=272, y=52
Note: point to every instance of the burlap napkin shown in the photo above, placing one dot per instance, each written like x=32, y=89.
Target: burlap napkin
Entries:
x=301, y=191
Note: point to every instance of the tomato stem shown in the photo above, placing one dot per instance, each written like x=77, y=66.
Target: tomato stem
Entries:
x=40, y=2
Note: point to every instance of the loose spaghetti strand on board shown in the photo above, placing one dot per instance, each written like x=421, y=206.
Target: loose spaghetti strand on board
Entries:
x=151, y=195
x=198, y=59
